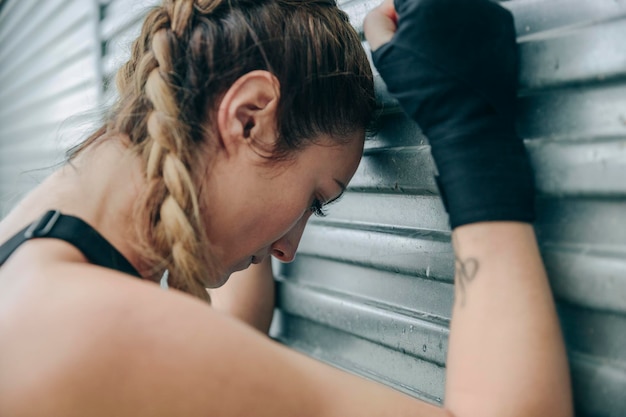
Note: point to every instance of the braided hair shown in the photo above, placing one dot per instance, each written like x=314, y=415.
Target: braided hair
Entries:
x=187, y=56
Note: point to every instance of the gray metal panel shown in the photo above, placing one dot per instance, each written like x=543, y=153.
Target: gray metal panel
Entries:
x=371, y=289
x=121, y=24
x=50, y=72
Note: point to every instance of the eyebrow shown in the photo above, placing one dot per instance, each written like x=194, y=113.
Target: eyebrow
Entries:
x=343, y=190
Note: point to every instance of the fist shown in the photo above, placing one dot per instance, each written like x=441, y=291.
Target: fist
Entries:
x=380, y=24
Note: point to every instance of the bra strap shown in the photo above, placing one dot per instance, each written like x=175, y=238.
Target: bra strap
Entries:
x=75, y=231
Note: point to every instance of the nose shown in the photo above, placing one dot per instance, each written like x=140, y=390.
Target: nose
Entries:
x=284, y=249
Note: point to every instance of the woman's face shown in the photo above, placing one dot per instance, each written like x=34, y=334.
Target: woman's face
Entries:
x=258, y=209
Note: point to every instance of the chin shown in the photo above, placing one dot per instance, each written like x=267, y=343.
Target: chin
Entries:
x=220, y=280
x=242, y=265
x=224, y=276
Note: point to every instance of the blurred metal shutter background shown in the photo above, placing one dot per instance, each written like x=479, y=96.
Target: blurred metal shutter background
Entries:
x=49, y=71
x=371, y=288
x=121, y=24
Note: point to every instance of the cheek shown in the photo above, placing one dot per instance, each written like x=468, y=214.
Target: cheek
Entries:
x=285, y=219
x=280, y=219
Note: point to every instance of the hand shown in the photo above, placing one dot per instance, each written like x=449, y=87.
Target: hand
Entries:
x=380, y=24
x=452, y=65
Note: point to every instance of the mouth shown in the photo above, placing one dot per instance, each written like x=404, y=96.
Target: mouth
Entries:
x=246, y=263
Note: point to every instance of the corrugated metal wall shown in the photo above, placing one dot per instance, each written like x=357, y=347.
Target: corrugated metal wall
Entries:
x=49, y=71
x=371, y=288
x=121, y=24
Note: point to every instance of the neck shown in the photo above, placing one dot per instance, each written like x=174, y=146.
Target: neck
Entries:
x=100, y=186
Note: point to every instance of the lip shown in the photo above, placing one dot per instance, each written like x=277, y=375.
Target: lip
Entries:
x=247, y=262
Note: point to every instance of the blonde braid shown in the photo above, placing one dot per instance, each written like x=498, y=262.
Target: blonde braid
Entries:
x=176, y=232
x=186, y=57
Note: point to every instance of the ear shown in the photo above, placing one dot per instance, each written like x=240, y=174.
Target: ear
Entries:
x=248, y=111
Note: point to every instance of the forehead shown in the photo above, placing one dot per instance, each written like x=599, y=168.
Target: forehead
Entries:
x=340, y=158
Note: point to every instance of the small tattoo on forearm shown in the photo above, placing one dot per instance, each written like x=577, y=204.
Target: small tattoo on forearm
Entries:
x=465, y=271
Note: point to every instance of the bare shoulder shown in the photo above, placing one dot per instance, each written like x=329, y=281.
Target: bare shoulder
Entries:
x=119, y=346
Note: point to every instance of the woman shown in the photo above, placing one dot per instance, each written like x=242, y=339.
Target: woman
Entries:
x=224, y=142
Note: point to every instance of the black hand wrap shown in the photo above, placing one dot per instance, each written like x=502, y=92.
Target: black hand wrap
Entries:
x=452, y=65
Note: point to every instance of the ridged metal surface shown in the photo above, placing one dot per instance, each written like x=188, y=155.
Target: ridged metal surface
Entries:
x=49, y=73
x=371, y=288
x=121, y=25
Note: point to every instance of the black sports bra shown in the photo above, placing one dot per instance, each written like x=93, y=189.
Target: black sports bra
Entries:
x=76, y=232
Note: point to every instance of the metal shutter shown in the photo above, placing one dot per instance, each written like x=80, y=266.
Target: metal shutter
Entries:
x=371, y=288
x=49, y=71
x=121, y=25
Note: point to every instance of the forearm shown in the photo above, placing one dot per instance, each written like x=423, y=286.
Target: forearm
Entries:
x=248, y=295
x=506, y=355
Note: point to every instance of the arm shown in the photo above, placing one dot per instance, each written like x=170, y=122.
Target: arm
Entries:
x=506, y=355
x=162, y=353
x=452, y=65
x=248, y=296
x=158, y=353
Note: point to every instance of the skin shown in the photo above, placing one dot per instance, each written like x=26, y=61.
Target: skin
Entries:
x=249, y=296
x=267, y=202
x=84, y=340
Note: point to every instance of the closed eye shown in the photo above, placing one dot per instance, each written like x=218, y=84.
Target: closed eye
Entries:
x=317, y=208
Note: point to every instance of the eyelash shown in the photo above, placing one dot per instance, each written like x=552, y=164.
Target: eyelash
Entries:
x=318, y=208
